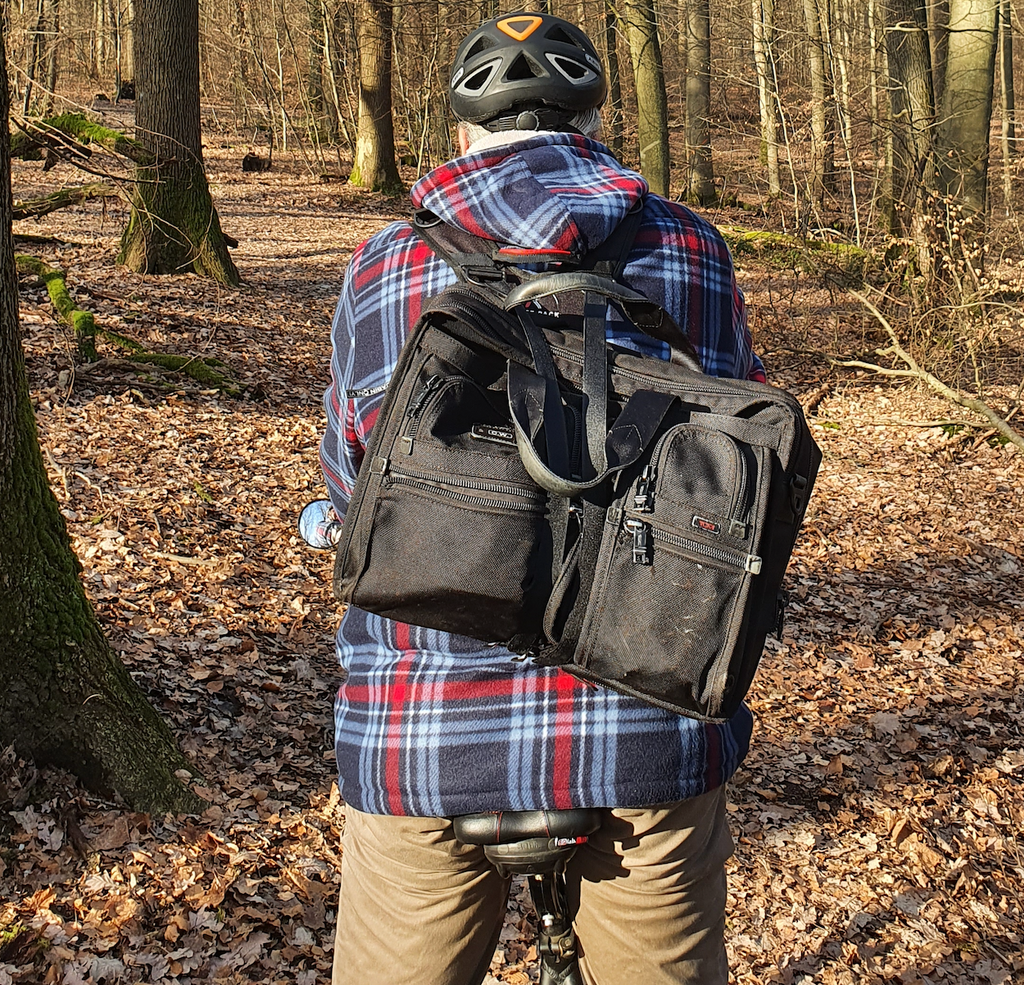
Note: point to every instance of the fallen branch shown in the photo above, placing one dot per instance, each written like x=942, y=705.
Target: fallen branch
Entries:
x=53, y=133
x=82, y=322
x=812, y=401
x=36, y=207
x=85, y=328
x=201, y=370
x=915, y=371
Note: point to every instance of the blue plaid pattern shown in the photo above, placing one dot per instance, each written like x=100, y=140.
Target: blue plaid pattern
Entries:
x=427, y=723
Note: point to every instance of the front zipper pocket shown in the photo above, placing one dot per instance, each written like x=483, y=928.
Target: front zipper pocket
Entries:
x=647, y=538
x=472, y=492
x=460, y=539
x=678, y=557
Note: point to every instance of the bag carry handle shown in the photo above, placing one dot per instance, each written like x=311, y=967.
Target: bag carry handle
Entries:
x=535, y=403
x=649, y=317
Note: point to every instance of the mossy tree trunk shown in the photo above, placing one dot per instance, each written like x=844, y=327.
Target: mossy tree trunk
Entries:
x=174, y=227
x=66, y=697
x=652, y=101
x=374, y=166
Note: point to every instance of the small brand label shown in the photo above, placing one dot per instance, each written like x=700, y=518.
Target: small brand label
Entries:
x=708, y=526
x=501, y=433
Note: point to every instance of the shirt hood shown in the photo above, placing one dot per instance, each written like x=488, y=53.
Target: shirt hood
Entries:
x=559, y=191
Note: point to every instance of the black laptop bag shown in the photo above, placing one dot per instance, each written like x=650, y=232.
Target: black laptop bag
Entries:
x=527, y=483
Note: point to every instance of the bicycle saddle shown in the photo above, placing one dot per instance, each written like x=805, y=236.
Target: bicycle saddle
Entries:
x=503, y=827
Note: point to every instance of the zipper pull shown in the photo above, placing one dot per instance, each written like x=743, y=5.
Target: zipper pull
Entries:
x=413, y=413
x=641, y=540
x=642, y=501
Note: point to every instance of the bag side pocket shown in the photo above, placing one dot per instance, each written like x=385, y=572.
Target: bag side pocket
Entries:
x=677, y=560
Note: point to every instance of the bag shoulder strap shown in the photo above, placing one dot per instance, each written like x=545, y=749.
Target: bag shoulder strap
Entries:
x=477, y=260
x=485, y=263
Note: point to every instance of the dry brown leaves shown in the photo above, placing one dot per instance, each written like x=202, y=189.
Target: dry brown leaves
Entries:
x=877, y=817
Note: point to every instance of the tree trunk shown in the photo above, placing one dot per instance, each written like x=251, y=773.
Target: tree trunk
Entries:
x=52, y=58
x=767, y=90
x=66, y=698
x=35, y=55
x=874, y=76
x=938, y=32
x=822, y=171
x=98, y=52
x=911, y=112
x=374, y=166
x=701, y=173
x=839, y=45
x=1008, y=136
x=613, y=115
x=242, y=83
x=174, y=227
x=962, y=139
x=962, y=134
x=317, y=65
x=652, y=101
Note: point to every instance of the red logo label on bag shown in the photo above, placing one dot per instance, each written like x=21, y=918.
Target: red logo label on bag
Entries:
x=708, y=526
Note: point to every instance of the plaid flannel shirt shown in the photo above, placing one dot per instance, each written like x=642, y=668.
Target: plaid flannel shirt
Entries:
x=427, y=723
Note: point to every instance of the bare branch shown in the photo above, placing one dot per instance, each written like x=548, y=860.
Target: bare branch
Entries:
x=916, y=371
x=36, y=207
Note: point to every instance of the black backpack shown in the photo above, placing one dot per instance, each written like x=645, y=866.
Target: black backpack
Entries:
x=527, y=483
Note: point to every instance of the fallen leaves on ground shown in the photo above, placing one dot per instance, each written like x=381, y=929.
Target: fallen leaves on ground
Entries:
x=877, y=817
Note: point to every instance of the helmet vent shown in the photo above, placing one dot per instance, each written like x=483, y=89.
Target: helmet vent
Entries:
x=479, y=46
x=476, y=81
x=524, y=67
x=556, y=33
x=576, y=72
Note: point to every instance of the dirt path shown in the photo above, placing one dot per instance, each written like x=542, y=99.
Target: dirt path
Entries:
x=877, y=817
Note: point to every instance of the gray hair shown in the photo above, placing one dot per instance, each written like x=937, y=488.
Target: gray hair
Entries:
x=588, y=123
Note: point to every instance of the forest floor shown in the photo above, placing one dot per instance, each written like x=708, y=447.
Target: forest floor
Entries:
x=877, y=817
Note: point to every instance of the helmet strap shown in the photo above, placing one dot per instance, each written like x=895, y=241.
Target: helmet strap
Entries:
x=540, y=118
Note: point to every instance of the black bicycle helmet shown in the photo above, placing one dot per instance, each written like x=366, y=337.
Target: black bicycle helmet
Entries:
x=526, y=65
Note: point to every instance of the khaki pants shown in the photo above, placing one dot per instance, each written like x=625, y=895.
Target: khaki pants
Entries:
x=647, y=893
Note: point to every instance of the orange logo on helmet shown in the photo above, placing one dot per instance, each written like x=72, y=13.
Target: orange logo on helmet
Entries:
x=519, y=28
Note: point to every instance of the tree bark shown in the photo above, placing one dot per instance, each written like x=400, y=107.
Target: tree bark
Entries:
x=911, y=110
x=767, y=90
x=67, y=699
x=938, y=31
x=374, y=166
x=962, y=134
x=1008, y=135
x=874, y=76
x=52, y=59
x=700, y=170
x=613, y=115
x=35, y=55
x=652, y=101
x=174, y=227
x=822, y=171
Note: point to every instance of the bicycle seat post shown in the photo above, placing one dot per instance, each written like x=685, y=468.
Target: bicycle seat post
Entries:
x=537, y=844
